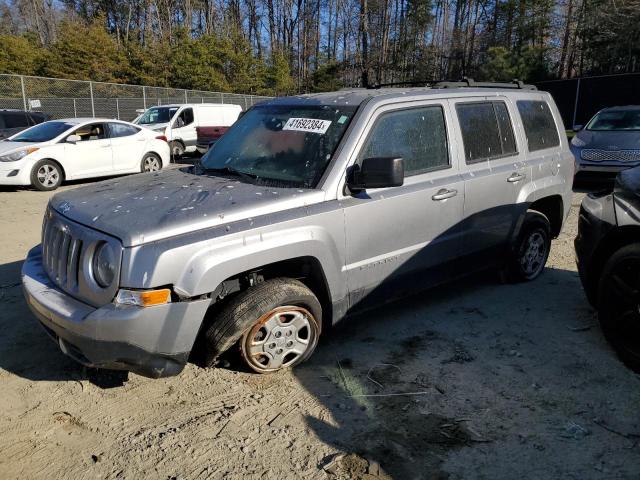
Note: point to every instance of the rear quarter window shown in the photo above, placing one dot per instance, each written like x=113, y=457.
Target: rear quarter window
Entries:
x=539, y=126
x=16, y=120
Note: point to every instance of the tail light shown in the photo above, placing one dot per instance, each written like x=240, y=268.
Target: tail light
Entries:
x=163, y=138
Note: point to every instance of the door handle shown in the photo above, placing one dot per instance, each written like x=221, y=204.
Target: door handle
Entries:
x=443, y=194
x=516, y=177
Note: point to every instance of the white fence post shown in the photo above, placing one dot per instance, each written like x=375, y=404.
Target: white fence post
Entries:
x=75, y=109
x=24, y=96
x=144, y=97
x=118, y=107
x=93, y=107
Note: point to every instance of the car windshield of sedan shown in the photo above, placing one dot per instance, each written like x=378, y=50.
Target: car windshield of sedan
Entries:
x=281, y=144
x=616, y=120
x=157, y=115
x=43, y=132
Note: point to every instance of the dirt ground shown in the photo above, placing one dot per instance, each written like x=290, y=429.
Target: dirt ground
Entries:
x=475, y=380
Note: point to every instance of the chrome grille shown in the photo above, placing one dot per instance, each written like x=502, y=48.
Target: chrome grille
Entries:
x=67, y=251
x=61, y=254
x=596, y=155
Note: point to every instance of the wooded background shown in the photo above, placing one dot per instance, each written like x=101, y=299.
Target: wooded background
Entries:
x=276, y=47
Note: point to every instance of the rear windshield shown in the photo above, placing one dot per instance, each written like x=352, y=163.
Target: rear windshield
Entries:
x=616, y=120
x=43, y=132
x=289, y=145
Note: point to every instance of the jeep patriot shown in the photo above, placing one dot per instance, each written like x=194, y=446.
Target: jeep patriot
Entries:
x=310, y=208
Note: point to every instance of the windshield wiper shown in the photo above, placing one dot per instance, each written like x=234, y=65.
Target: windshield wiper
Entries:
x=233, y=171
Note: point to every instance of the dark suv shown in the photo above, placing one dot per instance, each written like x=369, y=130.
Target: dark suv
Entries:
x=608, y=255
x=14, y=121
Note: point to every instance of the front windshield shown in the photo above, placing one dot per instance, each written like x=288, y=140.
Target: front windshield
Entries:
x=157, y=115
x=616, y=120
x=43, y=132
x=280, y=144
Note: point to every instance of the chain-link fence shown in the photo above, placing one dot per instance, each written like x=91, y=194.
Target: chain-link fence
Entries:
x=78, y=98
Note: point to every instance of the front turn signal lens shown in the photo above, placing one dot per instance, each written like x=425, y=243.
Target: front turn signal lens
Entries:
x=144, y=298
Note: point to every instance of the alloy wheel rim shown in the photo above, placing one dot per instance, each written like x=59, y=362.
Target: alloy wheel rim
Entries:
x=280, y=338
x=151, y=164
x=48, y=175
x=534, y=252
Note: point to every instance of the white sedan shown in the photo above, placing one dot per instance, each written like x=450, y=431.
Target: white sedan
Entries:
x=47, y=154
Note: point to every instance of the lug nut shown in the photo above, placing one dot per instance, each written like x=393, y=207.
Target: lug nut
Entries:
x=289, y=344
x=279, y=351
x=272, y=346
x=288, y=333
x=278, y=334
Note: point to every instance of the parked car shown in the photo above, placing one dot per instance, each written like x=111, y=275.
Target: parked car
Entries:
x=307, y=210
x=608, y=144
x=179, y=123
x=69, y=149
x=15, y=121
x=608, y=257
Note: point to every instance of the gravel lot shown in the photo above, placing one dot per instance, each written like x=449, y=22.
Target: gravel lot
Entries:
x=475, y=380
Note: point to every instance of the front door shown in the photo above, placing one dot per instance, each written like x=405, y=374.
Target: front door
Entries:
x=90, y=156
x=184, y=127
x=400, y=239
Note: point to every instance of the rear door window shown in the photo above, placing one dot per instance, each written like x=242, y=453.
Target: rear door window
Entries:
x=418, y=135
x=539, y=126
x=118, y=130
x=486, y=129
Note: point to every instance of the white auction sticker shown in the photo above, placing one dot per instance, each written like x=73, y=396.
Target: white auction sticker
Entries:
x=311, y=125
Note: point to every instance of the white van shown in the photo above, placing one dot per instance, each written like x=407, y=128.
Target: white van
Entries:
x=179, y=122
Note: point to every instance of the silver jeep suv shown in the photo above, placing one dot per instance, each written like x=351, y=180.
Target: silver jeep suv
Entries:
x=309, y=209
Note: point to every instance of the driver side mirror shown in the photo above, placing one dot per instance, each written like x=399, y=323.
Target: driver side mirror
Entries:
x=74, y=139
x=577, y=128
x=377, y=172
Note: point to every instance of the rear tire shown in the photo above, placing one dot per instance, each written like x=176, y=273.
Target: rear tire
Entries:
x=150, y=163
x=46, y=175
x=619, y=304
x=531, y=251
x=276, y=324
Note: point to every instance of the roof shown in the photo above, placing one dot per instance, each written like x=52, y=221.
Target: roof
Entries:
x=79, y=120
x=357, y=96
x=621, y=108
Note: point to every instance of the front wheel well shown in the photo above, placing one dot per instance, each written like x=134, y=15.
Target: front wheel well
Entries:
x=553, y=208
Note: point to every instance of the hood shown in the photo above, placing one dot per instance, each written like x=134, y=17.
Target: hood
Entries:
x=154, y=126
x=610, y=140
x=148, y=207
x=8, y=146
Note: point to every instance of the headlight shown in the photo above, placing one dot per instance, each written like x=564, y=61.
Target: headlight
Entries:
x=104, y=265
x=576, y=142
x=19, y=155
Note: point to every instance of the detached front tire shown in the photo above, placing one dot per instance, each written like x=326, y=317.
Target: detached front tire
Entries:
x=276, y=325
x=46, y=175
x=619, y=304
x=531, y=251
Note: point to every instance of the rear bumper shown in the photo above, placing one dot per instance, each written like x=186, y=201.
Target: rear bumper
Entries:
x=153, y=342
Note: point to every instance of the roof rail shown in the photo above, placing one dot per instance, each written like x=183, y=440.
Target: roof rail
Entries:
x=464, y=82
x=469, y=82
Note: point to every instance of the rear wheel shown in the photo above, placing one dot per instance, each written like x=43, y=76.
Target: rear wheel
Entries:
x=46, y=175
x=177, y=149
x=528, y=258
x=150, y=163
x=276, y=325
x=619, y=304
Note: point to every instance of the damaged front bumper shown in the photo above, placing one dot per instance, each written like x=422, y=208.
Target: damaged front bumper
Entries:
x=150, y=341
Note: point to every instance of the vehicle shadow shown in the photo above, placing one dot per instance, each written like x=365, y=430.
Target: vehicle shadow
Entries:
x=27, y=351
x=387, y=381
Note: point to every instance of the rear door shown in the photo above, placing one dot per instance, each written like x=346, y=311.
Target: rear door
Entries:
x=495, y=176
x=128, y=144
x=401, y=239
x=92, y=155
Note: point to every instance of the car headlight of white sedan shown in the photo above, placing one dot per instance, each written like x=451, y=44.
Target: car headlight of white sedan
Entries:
x=19, y=155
